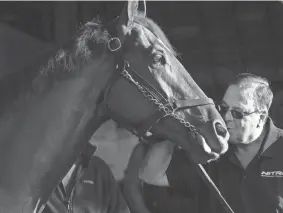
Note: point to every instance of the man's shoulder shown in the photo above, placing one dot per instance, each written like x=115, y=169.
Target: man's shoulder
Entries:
x=97, y=162
x=276, y=135
x=96, y=166
x=280, y=131
x=274, y=129
x=277, y=146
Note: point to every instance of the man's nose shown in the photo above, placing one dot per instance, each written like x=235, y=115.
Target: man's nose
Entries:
x=228, y=116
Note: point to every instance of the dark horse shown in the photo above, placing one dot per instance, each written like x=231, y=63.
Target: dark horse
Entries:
x=125, y=70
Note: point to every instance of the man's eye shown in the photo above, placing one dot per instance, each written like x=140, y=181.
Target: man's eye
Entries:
x=236, y=114
x=222, y=108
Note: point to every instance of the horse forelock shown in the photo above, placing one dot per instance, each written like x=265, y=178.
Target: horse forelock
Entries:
x=93, y=32
x=157, y=31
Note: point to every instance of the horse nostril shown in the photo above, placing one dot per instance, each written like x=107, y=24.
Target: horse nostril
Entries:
x=220, y=130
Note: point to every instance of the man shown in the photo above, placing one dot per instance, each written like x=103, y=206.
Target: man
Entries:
x=88, y=187
x=250, y=173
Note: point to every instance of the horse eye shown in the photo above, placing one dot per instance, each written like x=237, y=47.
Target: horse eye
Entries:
x=158, y=59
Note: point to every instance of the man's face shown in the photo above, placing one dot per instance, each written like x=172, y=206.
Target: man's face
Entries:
x=241, y=130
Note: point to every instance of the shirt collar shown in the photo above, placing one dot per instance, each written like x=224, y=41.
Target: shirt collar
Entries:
x=272, y=135
x=230, y=154
x=86, y=154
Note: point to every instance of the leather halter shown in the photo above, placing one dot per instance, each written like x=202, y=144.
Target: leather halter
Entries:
x=164, y=106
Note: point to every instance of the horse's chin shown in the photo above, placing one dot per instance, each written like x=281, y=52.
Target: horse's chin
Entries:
x=213, y=144
x=204, y=154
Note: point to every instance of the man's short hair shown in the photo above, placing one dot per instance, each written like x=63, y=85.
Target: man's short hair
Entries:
x=255, y=87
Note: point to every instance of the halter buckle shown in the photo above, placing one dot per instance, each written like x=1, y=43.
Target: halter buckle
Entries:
x=114, y=44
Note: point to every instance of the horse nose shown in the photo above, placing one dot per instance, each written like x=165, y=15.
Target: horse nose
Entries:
x=220, y=130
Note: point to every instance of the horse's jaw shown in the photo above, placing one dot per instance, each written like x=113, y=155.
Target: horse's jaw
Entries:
x=195, y=145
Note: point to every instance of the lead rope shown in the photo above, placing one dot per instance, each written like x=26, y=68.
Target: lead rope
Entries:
x=212, y=187
x=201, y=171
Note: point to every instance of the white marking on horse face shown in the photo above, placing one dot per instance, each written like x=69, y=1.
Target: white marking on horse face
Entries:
x=143, y=37
x=149, y=39
x=171, y=75
x=166, y=87
x=166, y=76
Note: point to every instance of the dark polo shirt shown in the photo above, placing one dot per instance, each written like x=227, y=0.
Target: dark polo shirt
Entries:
x=256, y=189
x=91, y=188
x=180, y=196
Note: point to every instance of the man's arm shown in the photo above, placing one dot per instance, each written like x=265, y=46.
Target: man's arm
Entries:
x=132, y=184
x=155, y=163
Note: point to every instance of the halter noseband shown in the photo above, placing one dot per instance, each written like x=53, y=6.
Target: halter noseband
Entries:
x=164, y=106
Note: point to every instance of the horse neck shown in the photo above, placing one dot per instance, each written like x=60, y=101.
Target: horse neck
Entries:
x=43, y=135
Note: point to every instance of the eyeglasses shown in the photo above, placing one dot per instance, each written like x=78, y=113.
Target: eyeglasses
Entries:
x=235, y=114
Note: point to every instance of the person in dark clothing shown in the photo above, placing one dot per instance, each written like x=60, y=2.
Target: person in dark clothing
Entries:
x=88, y=187
x=250, y=174
x=164, y=194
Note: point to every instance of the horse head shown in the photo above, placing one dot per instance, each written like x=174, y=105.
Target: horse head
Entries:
x=125, y=70
x=152, y=92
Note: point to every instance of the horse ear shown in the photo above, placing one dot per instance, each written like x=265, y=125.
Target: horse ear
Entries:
x=132, y=9
x=142, y=8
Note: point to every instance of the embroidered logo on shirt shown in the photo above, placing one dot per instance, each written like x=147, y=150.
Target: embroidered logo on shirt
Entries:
x=88, y=181
x=272, y=174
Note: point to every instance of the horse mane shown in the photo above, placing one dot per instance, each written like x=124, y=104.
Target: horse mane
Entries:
x=91, y=33
x=53, y=65
x=156, y=30
x=71, y=55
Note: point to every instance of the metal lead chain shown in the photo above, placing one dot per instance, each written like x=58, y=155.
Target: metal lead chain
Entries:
x=168, y=111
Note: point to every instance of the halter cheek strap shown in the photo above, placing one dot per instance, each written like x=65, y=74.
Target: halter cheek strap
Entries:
x=183, y=104
x=163, y=109
x=164, y=106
